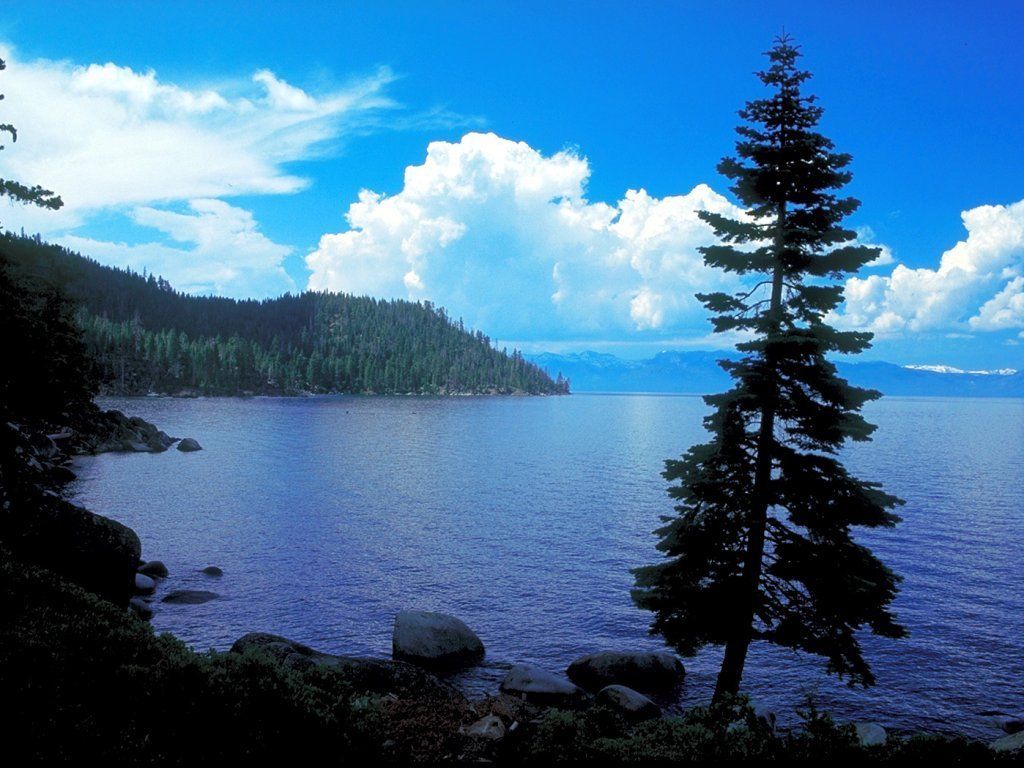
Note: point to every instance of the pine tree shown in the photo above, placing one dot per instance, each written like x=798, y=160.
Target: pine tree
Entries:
x=761, y=547
x=15, y=190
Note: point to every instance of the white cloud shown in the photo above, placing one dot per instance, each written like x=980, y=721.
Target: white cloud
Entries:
x=977, y=284
x=506, y=238
x=225, y=253
x=1004, y=310
x=105, y=136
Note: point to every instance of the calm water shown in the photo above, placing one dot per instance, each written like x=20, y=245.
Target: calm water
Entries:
x=523, y=517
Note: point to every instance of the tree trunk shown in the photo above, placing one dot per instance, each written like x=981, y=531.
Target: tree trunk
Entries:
x=731, y=672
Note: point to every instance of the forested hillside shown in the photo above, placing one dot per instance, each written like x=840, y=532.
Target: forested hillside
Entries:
x=146, y=337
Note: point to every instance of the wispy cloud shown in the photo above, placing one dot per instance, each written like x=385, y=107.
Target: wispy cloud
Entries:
x=116, y=142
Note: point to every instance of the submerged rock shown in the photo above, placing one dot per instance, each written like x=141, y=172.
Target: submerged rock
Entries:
x=434, y=639
x=188, y=445
x=144, y=585
x=190, y=597
x=645, y=672
x=1007, y=723
x=631, y=703
x=540, y=686
x=212, y=570
x=155, y=569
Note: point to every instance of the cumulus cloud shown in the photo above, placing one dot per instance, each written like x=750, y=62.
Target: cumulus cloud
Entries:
x=977, y=285
x=221, y=251
x=506, y=238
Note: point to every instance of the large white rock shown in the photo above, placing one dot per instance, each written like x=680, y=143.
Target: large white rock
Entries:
x=540, y=686
x=870, y=734
x=631, y=703
x=434, y=639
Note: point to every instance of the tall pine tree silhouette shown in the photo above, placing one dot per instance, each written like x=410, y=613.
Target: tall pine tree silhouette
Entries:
x=761, y=545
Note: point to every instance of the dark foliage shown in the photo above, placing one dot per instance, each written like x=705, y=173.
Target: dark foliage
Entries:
x=144, y=336
x=762, y=545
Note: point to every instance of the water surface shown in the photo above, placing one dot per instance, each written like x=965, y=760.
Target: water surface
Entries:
x=523, y=517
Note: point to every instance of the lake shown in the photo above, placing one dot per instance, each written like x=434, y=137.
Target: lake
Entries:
x=523, y=516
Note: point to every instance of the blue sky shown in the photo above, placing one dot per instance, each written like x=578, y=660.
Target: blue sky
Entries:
x=226, y=146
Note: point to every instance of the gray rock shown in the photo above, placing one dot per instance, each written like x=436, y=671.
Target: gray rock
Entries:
x=140, y=608
x=645, y=672
x=870, y=734
x=1008, y=723
x=188, y=445
x=540, y=686
x=144, y=585
x=631, y=703
x=212, y=570
x=155, y=569
x=490, y=727
x=435, y=640
x=189, y=597
x=112, y=431
x=1012, y=743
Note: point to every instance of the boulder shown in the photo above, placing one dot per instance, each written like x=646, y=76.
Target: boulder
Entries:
x=155, y=569
x=144, y=585
x=489, y=727
x=540, y=686
x=189, y=597
x=212, y=570
x=1012, y=743
x=188, y=445
x=870, y=734
x=1008, y=723
x=140, y=608
x=632, y=704
x=112, y=431
x=434, y=640
x=96, y=553
x=645, y=672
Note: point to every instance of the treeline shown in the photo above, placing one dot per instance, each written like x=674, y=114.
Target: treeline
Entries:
x=144, y=336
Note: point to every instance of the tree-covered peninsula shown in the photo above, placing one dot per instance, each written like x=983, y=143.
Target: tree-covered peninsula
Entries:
x=144, y=336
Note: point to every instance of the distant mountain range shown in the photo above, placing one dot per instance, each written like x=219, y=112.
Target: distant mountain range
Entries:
x=698, y=373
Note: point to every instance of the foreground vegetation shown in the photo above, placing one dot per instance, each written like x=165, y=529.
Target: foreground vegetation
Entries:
x=144, y=336
x=91, y=679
